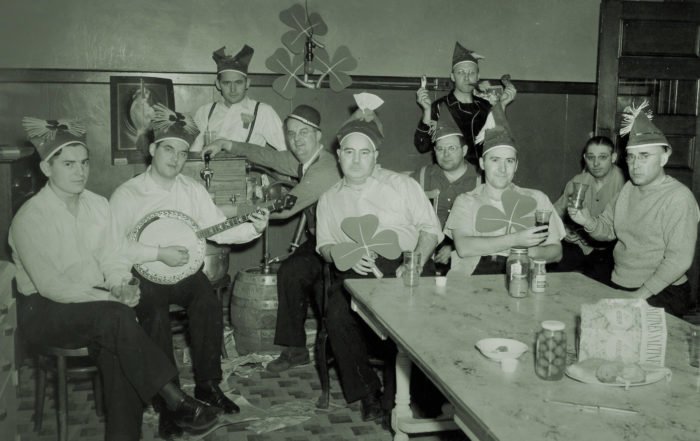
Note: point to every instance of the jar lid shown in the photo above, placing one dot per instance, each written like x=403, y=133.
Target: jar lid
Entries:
x=553, y=325
x=539, y=261
x=518, y=250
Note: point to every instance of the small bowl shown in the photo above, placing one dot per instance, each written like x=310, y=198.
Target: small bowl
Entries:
x=501, y=348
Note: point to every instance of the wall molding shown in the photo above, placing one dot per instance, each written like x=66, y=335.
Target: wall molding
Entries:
x=77, y=76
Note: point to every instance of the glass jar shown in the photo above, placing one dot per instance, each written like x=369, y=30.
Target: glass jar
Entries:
x=538, y=275
x=517, y=287
x=517, y=263
x=550, y=351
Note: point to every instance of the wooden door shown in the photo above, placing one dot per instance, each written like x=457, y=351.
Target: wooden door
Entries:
x=651, y=50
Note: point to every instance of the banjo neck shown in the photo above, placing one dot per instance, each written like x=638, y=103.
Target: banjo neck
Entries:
x=231, y=222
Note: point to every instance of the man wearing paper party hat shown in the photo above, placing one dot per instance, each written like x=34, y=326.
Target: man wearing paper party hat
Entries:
x=654, y=219
x=163, y=187
x=498, y=215
x=446, y=179
x=237, y=117
x=470, y=112
x=399, y=204
x=71, y=273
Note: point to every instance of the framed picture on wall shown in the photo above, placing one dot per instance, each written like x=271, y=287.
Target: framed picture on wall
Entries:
x=131, y=104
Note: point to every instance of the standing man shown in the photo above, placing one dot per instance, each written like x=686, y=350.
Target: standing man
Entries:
x=70, y=271
x=497, y=215
x=468, y=111
x=317, y=171
x=400, y=205
x=450, y=177
x=654, y=219
x=238, y=117
x=604, y=180
x=163, y=187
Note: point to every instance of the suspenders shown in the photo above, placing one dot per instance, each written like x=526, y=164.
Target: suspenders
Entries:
x=252, y=125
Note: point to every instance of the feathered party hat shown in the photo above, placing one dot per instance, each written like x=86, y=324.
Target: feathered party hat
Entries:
x=168, y=124
x=49, y=136
x=636, y=122
x=364, y=120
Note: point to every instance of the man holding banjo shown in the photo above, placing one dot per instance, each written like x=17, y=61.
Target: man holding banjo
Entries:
x=165, y=207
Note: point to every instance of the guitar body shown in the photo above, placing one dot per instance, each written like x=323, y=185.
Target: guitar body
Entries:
x=166, y=228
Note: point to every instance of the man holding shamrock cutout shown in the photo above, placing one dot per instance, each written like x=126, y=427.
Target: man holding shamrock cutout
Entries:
x=498, y=215
x=400, y=205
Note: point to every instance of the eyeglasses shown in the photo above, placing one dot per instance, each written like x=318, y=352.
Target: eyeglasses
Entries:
x=447, y=148
x=639, y=157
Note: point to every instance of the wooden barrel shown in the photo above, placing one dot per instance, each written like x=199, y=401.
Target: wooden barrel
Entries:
x=254, y=312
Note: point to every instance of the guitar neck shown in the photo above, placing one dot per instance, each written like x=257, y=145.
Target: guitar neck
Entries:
x=228, y=223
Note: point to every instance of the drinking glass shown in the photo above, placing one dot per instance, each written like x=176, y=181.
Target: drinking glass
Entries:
x=209, y=136
x=542, y=216
x=129, y=288
x=579, y=195
x=411, y=262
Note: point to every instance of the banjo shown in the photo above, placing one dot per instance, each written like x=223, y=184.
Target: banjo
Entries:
x=170, y=227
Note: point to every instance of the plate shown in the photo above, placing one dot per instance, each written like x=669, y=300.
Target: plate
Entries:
x=501, y=348
x=585, y=372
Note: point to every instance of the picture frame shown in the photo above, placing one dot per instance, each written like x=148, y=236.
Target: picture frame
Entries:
x=131, y=107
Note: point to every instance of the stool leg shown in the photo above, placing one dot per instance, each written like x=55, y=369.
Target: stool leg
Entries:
x=62, y=402
x=322, y=363
x=97, y=391
x=39, y=395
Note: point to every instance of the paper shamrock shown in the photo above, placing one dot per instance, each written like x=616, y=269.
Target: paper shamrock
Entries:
x=519, y=214
x=363, y=231
x=303, y=26
x=280, y=62
x=342, y=61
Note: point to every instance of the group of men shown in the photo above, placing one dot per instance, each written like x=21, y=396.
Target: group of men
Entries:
x=73, y=252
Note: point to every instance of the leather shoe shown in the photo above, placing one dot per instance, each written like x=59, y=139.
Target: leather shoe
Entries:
x=167, y=428
x=290, y=357
x=371, y=407
x=194, y=416
x=211, y=393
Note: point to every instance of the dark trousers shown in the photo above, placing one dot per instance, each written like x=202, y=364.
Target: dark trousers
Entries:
x=204, y=313
x=597, y=265
x=675, y=299
x=132, y=367
x=298, y=278
x=347, y=331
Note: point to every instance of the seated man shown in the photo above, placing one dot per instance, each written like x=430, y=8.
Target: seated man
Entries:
x=498, y=215
x=400, y=205
x=70, y=270
x=163, y=187
x=237, y=117
x=317, y=171
x=450, y=177
x=470, y=112
x=604, y=180
x=654, y=219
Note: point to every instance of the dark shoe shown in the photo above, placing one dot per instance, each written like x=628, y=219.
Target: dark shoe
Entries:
x=290, y=357
x=167, y=428
x=371, y=407
x=211, y=393
x=194, y=416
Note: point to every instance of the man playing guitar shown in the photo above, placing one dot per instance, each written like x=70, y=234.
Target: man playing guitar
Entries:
x=163, y=187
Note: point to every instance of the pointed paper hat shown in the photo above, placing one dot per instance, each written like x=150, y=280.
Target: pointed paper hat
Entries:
x=49, y=136
x=237, y=63
x=364, y=121
x=498, y=135
x=461, y=55
x=168, y=124
x=446, y=125
x=308, y=115
x=636, y=121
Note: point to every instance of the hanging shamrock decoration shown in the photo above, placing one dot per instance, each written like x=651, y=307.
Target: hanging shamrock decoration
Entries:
x=518, y=214
x=310, y=55
x=363, y=231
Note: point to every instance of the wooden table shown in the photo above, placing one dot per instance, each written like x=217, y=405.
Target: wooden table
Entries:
x=437, y=328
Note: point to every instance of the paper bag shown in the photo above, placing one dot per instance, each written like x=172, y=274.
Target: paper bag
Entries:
x=628, y=330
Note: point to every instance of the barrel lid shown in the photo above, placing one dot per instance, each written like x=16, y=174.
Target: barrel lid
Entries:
x=553, y=325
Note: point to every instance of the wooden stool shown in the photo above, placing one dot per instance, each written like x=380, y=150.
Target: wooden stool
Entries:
x=69, y=363
x=178, y=314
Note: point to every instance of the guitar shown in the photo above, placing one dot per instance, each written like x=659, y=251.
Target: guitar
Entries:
x=170, y=227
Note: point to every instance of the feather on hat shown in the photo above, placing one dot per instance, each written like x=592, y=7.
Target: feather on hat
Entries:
x=49, y=136
x=364, y=120
x=636, y=122
x=168, y=124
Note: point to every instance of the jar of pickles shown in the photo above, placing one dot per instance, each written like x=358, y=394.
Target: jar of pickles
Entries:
x=550, y=351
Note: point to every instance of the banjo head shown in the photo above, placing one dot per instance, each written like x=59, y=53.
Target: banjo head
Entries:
x=166, y=228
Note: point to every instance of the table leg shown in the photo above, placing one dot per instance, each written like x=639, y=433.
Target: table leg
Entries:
x=403, y=395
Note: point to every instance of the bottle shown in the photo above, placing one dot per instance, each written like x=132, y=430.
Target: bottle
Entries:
x=538, y=275
x=550, y=351
x=517, y=263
